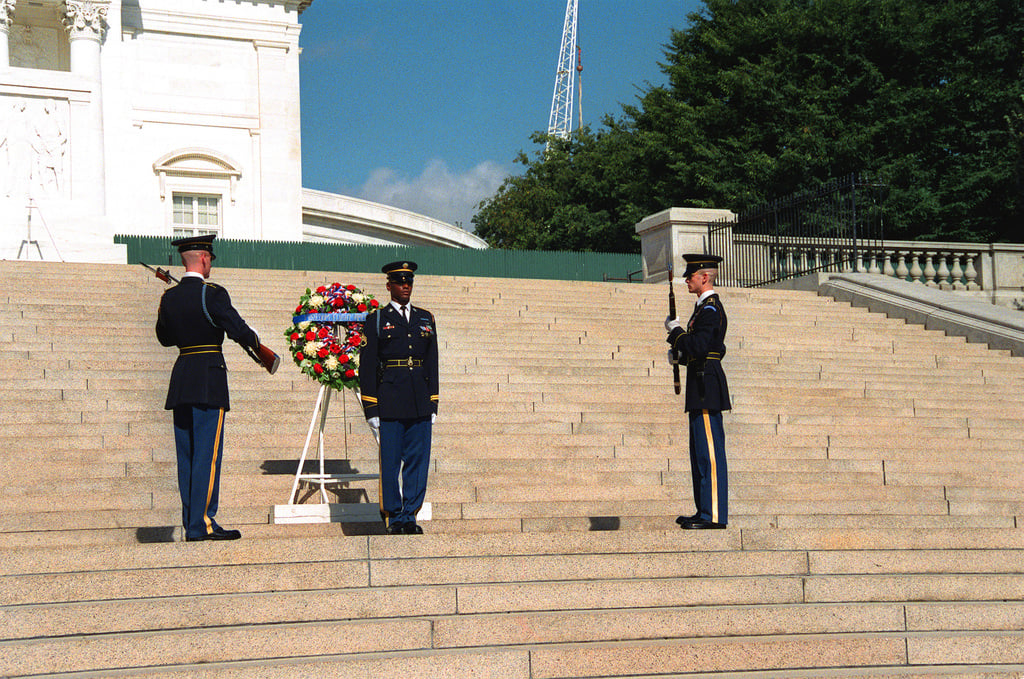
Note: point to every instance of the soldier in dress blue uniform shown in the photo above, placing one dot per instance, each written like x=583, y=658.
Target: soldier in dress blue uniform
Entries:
x=194, y=316
x=701, y=345
x=398, y=389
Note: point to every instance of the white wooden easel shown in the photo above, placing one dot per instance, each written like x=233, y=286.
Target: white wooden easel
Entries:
x=324, y=511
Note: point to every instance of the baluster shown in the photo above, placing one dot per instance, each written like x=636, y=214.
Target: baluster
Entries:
x=943, y=273
x=929, y=269
x=873, y=269
x=901, y=268
x=887, y=269
x=971, y=273
x=957, y=273
x=915, y=267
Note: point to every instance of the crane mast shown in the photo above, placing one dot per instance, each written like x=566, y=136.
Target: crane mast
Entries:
x=560, y=122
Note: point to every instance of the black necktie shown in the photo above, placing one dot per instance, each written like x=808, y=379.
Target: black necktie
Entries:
x=404, y=315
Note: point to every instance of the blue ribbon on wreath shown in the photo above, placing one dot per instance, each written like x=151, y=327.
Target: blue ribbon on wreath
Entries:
x=330, y=318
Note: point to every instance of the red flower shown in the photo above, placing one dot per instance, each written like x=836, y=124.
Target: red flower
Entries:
x=310, y=336
x=337, y=302
x=374, y=303
x=361, y=307
x=355, y=339
x=321, y=290
x=294, y=336
x=349, y=374
x=318, y=369
x=323, y=332
x=298, y=308
x=350, y=287
x=299, y=356
x=343, y=359
x=335, y=349
x=323, y=352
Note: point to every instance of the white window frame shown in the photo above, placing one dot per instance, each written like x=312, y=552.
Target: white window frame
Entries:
x=183, y=230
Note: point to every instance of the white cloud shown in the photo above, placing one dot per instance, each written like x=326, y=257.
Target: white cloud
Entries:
x=437, y=192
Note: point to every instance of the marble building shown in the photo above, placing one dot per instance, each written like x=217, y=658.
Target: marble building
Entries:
x=164, y=117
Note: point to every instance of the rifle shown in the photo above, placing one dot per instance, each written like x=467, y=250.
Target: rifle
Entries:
x=162, y=274
x=263, y=355
x=672, y=314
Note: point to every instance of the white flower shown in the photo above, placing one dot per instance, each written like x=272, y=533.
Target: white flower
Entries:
x=358, y=297
x=331, y=362
x=315, y=301
x=312, y=347
x=304, y=324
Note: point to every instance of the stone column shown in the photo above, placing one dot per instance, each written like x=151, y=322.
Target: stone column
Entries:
x=667, y=235
x=86, y=24
x=6, y=19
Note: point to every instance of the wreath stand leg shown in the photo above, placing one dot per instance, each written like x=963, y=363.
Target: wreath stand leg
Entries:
x=325, y=511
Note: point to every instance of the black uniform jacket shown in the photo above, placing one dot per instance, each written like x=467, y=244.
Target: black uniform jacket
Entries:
x=199, y=376
x=398, y=364
x=701, y=346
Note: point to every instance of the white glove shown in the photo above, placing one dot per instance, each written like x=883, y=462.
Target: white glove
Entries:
x=433, y=418
x=374, y=423
x=672, y=357
x=672, y=323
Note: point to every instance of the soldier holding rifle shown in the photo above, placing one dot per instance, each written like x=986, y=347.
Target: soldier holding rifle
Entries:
x=701, y=344
x=194, y=316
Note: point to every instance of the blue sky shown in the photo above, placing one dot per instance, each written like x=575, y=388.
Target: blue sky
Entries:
x=424, y=104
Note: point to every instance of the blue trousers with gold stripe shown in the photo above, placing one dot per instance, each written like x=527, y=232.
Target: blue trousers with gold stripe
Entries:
x=199, y=438
x=707, y=465
x=405, y=452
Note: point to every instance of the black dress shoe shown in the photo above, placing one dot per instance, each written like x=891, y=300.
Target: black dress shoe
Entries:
x=395, y=529
x=687, y=519
x=412, y=528
x=219, y=534
x=701, y=524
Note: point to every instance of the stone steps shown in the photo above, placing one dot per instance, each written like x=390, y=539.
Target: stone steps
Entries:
x=875, y=499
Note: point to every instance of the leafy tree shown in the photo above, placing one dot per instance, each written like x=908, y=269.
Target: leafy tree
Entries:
x=767, y=97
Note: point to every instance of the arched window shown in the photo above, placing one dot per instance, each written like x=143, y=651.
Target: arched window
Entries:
x=198, y=181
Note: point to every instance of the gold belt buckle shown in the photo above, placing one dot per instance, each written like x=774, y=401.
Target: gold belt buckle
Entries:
x=410, y=361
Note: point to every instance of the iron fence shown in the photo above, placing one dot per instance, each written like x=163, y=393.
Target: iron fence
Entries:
x=830, y=228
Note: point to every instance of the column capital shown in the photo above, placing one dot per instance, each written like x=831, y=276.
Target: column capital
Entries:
x=85, y=18
x=6, y=14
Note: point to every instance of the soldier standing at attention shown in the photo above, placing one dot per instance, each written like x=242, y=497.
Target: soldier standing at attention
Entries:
x=398, y=387
x=194, y=316
x=701, y=345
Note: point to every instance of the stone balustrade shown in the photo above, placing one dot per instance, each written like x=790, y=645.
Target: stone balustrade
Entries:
x=990, y=271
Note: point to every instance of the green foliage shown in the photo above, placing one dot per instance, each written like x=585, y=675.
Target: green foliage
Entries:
x=767, y=97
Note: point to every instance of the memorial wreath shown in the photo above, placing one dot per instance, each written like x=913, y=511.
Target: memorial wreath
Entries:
x=327, y=333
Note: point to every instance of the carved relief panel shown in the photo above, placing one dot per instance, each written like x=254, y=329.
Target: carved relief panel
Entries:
x=33, y=147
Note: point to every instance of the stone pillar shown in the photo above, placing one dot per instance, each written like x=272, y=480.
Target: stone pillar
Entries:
x=666, y=235
x=6, y=19
x=86, y=23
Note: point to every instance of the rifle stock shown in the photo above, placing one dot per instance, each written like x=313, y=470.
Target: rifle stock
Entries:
x=268, y=359
x=672, y=314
